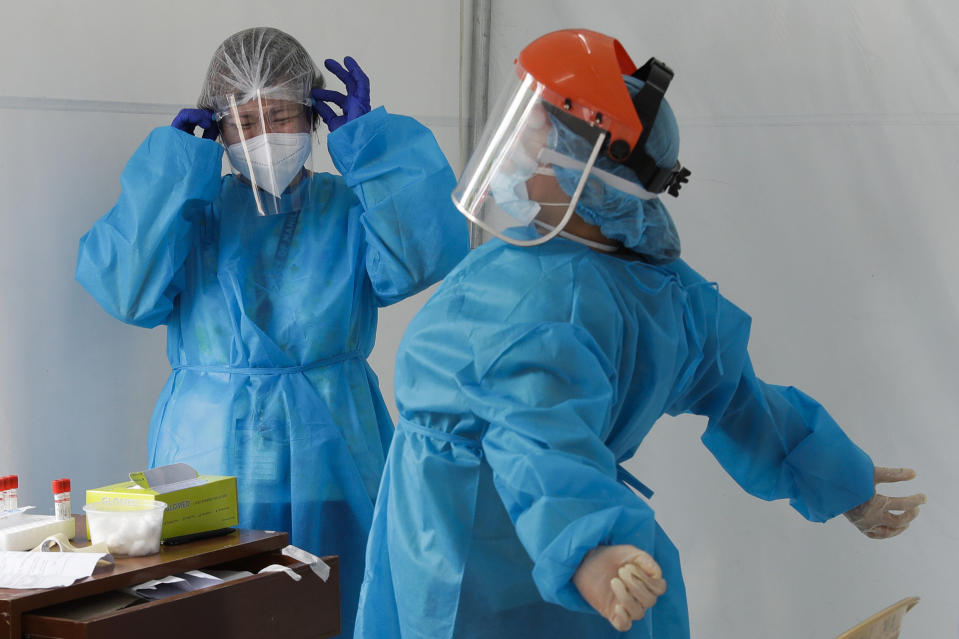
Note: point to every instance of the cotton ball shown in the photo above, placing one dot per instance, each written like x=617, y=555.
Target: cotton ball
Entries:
x=116, y=543
x=127, y=532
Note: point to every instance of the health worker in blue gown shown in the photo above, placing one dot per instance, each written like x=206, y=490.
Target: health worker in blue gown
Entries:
x=269, y=279
x=544, y=359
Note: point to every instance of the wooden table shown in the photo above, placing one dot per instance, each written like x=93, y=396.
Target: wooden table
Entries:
x=260, y=606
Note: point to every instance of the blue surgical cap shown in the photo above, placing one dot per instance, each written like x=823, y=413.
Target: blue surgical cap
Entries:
x=644, y=226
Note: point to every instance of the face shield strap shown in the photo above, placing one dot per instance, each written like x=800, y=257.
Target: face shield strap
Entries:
x=657, y=179
x=553, y=158
x=656, y=77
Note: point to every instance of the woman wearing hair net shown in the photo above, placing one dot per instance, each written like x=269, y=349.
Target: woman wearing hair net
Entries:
x=269, y=280
x=543, y=361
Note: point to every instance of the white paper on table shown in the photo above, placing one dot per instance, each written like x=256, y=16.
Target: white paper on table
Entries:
x=24, y=569
x=153, y=583
x=229, y=575
x=174, y=585
x=202, y=575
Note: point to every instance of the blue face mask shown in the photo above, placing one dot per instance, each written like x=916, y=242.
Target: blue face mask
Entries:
x=508, y=186
x=511, y=195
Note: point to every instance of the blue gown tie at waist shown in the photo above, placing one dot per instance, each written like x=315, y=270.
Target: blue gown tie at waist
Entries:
x=475, y=446
x=282, y=370
x=472, y=444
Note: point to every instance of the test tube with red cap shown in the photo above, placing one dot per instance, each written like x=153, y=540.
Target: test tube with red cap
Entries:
x=13, y=484
x=4, y=488
x=61, y=498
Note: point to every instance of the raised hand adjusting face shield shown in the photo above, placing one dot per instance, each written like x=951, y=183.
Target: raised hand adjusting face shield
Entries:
x=269, y=143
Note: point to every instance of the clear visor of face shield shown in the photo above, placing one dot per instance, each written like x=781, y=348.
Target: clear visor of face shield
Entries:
x=269, y=143
x=508, y=187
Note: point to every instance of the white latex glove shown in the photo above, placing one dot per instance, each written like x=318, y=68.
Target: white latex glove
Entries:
x=620, y=582
x=876, y=518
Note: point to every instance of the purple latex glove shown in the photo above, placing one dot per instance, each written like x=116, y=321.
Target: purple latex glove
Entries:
x=188, y=119
x=355, y=103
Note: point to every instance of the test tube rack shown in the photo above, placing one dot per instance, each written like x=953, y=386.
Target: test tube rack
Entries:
x=20, y=531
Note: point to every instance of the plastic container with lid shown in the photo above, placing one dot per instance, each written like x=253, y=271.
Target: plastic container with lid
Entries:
x=128, y=527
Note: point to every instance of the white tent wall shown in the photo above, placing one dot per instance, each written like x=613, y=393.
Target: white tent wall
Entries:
x=822, y=138
x=83, y=84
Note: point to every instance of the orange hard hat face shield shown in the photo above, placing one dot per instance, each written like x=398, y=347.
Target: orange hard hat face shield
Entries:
x=572, y=79
x=582, y=73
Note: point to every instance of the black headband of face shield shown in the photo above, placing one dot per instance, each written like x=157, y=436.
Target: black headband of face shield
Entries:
x=656, y=77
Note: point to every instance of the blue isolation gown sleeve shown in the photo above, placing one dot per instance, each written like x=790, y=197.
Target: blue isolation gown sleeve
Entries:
x=775, y=441
x=546, y=391
x=130, y=261
x=414, y=234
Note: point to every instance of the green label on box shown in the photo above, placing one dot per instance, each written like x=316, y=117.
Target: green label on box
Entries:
x=196, y=505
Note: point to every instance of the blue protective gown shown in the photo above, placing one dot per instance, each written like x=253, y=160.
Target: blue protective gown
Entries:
x=270, y=319
x=522, y=384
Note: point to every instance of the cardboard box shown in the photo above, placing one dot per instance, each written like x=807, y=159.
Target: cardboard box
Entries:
x=195, y=503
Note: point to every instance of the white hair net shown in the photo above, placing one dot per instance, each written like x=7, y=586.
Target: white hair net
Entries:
x=260, y=59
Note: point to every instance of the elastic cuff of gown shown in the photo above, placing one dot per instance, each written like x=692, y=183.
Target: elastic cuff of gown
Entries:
x=346, y=142
x=831, y=474
x=558, y=563
x=191, y=164
x=188, y=143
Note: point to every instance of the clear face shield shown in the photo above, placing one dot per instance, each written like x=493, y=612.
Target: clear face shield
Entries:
x=269, y=144
x=514, y=163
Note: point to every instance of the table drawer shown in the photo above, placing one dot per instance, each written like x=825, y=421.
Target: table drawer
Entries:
x=259, y=606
